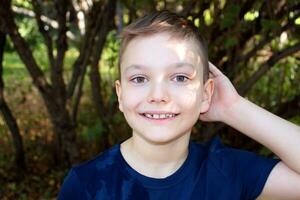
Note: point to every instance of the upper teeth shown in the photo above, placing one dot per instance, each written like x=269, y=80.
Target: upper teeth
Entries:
x=159, y=116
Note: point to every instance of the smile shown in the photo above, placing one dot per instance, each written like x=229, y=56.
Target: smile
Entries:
x=159, y=116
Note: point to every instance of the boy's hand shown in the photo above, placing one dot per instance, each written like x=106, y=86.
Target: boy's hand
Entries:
x=223, y=98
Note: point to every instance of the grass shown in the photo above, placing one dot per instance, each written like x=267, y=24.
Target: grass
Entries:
x=13, y=68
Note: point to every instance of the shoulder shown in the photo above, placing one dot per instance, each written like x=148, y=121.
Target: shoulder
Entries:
x=245, y=170
x=105, y=162
x=218, y=159
x=90, y=178
x=227, y=159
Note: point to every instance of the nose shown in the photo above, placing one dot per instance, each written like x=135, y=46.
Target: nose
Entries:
x=158, y=94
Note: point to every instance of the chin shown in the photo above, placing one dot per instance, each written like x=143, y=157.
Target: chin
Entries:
x=160, y=139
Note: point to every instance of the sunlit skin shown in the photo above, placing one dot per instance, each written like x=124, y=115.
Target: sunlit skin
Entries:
x=161, y=75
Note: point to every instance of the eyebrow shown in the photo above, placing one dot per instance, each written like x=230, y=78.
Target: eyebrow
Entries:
x=176, y=65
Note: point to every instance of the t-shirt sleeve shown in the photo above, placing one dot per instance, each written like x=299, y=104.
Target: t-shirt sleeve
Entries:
x=252, y=172
x=247, y=170
x=72, y=188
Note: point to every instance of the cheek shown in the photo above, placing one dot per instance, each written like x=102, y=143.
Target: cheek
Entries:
x=132, y=97
x=190, y=102
x=188, y=98
x=190, y=105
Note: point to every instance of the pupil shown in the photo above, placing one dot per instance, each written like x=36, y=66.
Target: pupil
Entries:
x=140, y=79
x=180, y=78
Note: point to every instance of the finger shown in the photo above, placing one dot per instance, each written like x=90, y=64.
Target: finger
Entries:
x=213, y=69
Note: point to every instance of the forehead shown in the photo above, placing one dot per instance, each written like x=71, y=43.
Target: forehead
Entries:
x=160, y=49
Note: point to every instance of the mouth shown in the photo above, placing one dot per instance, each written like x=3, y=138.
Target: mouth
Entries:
x=159, y=116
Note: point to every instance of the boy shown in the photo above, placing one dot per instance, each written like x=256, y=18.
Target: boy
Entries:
x=164, y=88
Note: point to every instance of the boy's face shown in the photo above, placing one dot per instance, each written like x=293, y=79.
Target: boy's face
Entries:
x=161, y=91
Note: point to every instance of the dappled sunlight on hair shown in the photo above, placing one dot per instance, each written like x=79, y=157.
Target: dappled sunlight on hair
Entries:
x=166, y=22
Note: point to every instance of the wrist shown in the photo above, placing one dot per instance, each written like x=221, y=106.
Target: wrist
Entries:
x=233, y=112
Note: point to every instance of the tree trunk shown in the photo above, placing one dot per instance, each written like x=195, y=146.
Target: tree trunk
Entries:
x=65, y=152
x=8, y=116
x=95, y=76
x=16, y=136
x=64, y=141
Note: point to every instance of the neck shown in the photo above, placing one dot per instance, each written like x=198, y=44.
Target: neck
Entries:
x=155, y=160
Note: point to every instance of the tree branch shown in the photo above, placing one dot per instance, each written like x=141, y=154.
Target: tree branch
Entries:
x=29, y=13
x=244, y=88
x=61, y=47
x=46, y=20
x=43, y=31
x=9, y=119
x=94, y=22
x=8, y=25
x=95, y=77
x=267, y=39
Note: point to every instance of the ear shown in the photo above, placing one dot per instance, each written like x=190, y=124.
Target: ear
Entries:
x=119, y=92
x=208, y=91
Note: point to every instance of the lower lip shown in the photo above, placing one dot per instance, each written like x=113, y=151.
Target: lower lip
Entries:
x=158, y=120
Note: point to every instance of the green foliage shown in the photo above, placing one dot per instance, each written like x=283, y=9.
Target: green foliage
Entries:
x=22, y=3
x=29, y=30
x=230, y=42
x=269, y=25
x=208, y=17
x=296, y=120
x=297, y=21
x=110, y=56
x=94, y=132
x=13, y=69
x=279, y=85
x=109, y=63
x=230, y=16
x=229, y=39
x=251, y=15
x=118, y=118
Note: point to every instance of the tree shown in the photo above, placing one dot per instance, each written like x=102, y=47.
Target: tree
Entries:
x=250, y=40
x=57, y=95
x=8, y=116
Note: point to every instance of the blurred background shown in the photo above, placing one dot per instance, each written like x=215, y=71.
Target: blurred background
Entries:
x=59, y=61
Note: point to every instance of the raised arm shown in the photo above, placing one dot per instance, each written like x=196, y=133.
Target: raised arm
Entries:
x=279, y=135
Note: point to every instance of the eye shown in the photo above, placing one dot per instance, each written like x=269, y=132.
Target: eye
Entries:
x=138, y=79
x=180, y=78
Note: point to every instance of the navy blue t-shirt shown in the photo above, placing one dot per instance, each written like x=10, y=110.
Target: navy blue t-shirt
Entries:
x=210, y=172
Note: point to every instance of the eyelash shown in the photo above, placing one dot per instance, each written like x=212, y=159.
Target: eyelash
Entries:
x=186, y=78
x=135, y=79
